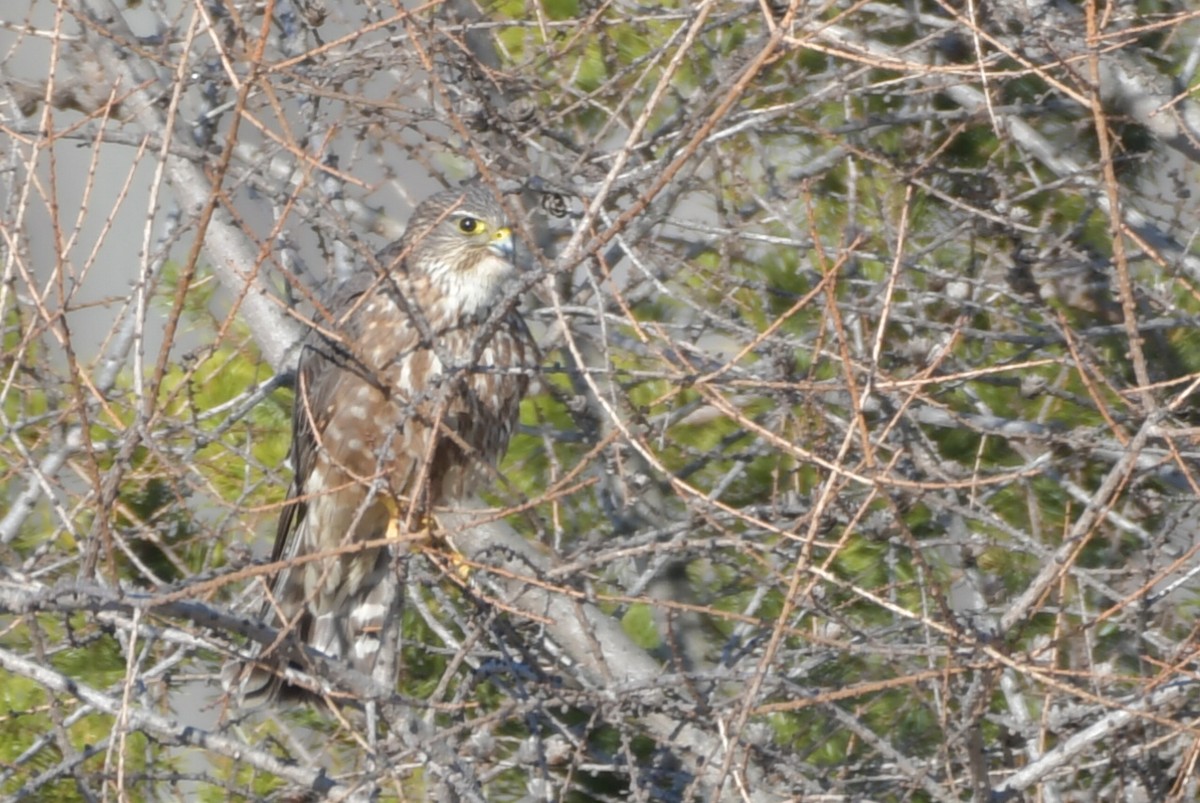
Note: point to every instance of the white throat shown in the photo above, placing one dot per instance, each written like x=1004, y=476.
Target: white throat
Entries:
x=473, y=294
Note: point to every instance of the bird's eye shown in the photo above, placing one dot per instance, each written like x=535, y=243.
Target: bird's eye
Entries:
x=469, y=225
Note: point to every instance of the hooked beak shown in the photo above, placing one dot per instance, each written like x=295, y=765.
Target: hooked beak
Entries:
x=502, y=244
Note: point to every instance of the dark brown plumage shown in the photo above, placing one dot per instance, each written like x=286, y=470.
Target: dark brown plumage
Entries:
x=379, y=436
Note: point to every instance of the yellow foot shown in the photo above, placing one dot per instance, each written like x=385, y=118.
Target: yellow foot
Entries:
x=397, y=527
x=421, y=535
x=458, y=563
x=450, y=560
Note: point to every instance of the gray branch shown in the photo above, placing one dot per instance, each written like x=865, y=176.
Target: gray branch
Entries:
x=165, y=728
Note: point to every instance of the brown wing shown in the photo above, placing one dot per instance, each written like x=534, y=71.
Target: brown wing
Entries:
x=319, y=378
x=340, y=412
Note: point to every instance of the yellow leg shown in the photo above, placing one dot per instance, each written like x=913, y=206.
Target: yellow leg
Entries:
x=393, y=511
x=396, y=531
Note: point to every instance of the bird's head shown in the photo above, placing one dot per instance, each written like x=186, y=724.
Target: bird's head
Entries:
x=460, y=240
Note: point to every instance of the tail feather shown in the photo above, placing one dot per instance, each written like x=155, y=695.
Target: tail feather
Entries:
x=342, y=605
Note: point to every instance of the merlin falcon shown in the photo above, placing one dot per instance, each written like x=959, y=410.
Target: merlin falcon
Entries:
x=406, y=396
